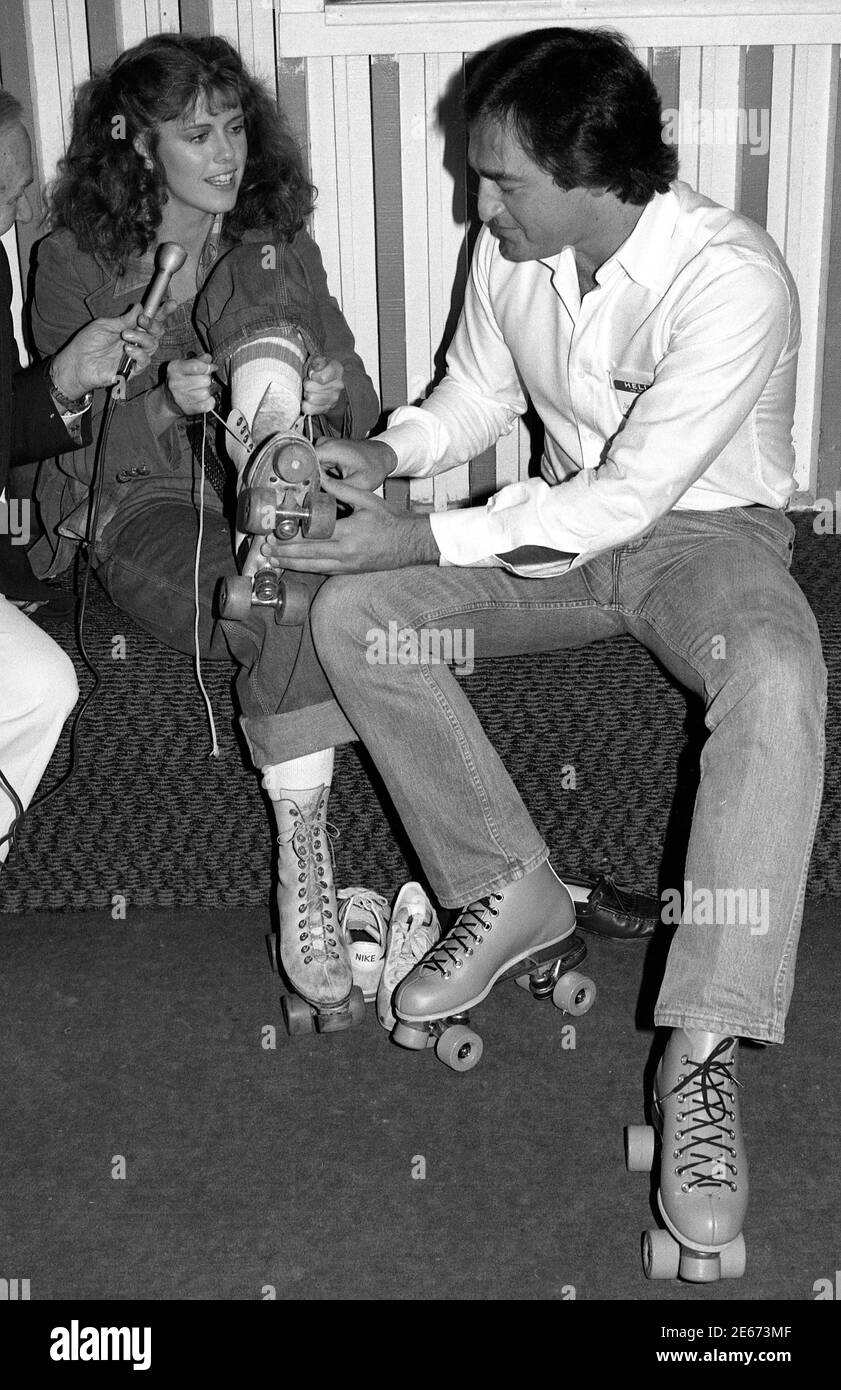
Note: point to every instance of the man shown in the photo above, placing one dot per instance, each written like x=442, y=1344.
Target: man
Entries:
x=43, y=411
x=656, y=334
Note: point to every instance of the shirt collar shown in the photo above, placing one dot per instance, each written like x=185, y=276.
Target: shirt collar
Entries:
x=643, y=255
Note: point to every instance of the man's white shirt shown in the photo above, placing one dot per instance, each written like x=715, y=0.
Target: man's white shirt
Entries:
x=671, y=384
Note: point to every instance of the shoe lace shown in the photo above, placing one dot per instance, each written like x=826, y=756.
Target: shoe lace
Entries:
x=310, y=838
x=706, y=1094
x=353, y=902
x=410, y=935
x=461, y=940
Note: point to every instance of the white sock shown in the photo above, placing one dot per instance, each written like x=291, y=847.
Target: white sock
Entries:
x=309, y=773
x=266, y=386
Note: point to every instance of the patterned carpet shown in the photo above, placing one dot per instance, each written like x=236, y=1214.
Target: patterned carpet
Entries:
x=150, y=817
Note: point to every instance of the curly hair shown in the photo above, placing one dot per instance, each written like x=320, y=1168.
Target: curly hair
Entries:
x=581, y=105
x=105, y=192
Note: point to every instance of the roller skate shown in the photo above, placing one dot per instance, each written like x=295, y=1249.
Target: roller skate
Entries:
x=703, y=1190
x=525, y=932
x=280, y=494
x=413, y=930
x=313, y=951
x=363, y=922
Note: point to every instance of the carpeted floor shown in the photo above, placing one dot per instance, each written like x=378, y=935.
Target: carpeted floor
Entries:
x=249, y=1166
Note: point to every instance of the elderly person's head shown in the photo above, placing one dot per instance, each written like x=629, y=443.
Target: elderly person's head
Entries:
x=15, y=164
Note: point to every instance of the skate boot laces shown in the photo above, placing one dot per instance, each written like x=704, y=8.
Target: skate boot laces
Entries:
x=707, y=1114
x=312, y=841
x=463, y=939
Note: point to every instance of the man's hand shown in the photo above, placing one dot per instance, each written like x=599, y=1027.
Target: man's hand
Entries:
x=92, y=356
x=363, y=463
x=376, y=536
x=323, y=386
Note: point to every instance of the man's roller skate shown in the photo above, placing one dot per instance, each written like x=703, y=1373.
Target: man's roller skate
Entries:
x=313, y=951
x=703, y=1190
x=280, y=494
x=525, y=932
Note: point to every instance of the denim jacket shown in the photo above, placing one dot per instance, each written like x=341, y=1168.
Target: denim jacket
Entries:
x=252, y=284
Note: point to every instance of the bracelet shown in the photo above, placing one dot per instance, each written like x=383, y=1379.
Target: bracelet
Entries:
x=64, y=403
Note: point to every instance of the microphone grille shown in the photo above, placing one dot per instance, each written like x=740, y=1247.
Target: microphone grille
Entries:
x=171, y=256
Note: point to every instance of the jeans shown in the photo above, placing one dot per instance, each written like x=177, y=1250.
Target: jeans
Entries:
x=145, y=552
x=286, y=704
x=709, y=593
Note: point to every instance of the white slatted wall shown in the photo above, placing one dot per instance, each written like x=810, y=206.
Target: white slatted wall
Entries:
x=335, y=44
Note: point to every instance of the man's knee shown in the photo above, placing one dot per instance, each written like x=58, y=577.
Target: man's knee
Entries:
x=343, y=612
x=785, y=673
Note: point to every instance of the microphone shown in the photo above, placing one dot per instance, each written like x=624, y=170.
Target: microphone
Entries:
x=169, y=258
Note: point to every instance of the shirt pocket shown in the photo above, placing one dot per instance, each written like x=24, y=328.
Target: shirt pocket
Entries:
x=627, y=384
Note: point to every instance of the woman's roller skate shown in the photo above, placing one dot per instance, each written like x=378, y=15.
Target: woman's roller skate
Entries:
x=703, y=1189
x=525, y=932
x=280, y=494
x=313, y=950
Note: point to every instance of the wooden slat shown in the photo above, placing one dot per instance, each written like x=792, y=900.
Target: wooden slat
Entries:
x=458, y=27
x=753, y=173
x=445, y=154
x=224, y=20
x=256, y=28
x=44, y=63
x=689, y=103
x=131, y=23
x=355, y=190
x=829, y=443
x=779, y=161
x=813, y=141
x=721, y=91
x=322, y=162
x=391, y=300
x=416, y=273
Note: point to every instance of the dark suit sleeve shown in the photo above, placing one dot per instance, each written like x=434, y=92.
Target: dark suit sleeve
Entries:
x=31, y=427
x=38, y=430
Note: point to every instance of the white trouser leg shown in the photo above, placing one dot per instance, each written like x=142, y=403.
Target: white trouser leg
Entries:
x=38, y=690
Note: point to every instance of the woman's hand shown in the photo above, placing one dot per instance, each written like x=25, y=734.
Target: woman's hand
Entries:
x=324, y=386
x=189, y=384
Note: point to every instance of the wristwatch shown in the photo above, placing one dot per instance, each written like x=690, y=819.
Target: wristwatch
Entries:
x=64, y=403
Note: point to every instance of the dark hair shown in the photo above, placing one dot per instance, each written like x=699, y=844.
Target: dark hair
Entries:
x=113, y=202
x=581, y=105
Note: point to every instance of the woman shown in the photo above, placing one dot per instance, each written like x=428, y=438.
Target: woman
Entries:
x=178, y=143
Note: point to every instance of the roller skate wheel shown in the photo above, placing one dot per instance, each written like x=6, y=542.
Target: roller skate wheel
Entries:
x=459, y=1048
x=407, y=1035
x=734, y=1258
x=660, y=1255
x=574, y=994
x=357, y=1004
x=320, y=521
x=256, y=511
x=295, y=603
x=297, y=1015
x=235, y=597
x=699, y=1266
x=639, y=1148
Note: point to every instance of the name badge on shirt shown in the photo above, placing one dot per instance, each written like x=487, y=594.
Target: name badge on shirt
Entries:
x=629, y=386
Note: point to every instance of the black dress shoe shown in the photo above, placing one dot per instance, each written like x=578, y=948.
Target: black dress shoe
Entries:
x=44, y=603
x=606, y=910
